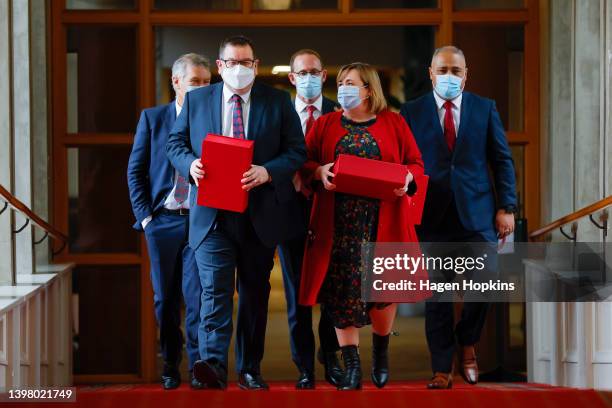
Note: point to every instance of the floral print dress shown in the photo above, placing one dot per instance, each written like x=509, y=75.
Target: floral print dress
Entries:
x=355, y=223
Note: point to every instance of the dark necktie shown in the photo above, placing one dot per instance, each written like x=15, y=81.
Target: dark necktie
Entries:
x=181, y=191
x=310, y=120
x=297, y=179
x=449, y=126
x=237, y=123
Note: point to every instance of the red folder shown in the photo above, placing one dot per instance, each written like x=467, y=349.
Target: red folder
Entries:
x=417, y=200
x=225, y=160
x=368, y=177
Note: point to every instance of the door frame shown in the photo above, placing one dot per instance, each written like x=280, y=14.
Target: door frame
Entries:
x=146, y=19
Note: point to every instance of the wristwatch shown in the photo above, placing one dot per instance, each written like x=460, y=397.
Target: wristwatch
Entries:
x=509, y=209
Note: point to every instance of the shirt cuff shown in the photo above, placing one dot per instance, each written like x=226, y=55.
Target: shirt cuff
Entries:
x=146, y=221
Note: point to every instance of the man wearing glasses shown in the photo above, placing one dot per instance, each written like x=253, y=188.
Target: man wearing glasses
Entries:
x=226, y=242
x=307, y=75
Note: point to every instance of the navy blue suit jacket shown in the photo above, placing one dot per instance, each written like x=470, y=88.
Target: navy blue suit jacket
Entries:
x=464, y=174
x=150, y=174
x=328, y=106
x=275, y=127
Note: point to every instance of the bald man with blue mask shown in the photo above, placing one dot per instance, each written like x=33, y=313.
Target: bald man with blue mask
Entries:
x=461, y=137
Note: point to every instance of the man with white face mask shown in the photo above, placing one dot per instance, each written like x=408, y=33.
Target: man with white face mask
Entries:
x=233, y=249
x=160, y=201
x=460, y=136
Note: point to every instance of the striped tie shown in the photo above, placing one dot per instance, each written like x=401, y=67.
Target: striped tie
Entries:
x=237, y=123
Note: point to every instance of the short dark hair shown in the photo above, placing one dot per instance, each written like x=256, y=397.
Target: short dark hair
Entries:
x=237, y=40
x=305, y=51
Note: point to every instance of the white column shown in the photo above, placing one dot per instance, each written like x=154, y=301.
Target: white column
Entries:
x=22, y=140
x=6, y=140
x=561, y=138
x=588, y=104
x=608, y=98
x=40, y=140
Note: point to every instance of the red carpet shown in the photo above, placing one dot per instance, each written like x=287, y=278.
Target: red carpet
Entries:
x=283, y=395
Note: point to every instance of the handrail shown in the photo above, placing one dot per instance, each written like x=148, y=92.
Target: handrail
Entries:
x=589, y=210
x=11, y=200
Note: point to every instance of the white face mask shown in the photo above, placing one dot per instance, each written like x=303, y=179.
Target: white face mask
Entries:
x=238, y=77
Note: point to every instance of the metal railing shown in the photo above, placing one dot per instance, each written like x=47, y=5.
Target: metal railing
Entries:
x=601, y=206
x=10, y=201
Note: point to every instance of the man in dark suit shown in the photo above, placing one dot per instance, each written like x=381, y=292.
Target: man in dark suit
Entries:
x=160, y=201
x=226, y=241
x=460, y=136
x=307, y=75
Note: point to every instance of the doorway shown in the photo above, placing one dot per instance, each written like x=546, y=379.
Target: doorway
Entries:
x=111, y=59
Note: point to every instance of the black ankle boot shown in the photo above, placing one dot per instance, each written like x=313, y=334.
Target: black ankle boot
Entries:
x=380, y=360
x=333, y=370
x=352, y=369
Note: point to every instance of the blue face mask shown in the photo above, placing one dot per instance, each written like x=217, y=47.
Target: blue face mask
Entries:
x=190, y=88
x=448, y=86
x=348, y=96
x=308, y=86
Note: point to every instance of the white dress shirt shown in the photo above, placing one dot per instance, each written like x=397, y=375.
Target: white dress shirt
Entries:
x=171, y=203
x=456, y=110
x=302, y=109
x=227, y=111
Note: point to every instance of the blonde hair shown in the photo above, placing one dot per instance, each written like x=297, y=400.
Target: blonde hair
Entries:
x=370, y=78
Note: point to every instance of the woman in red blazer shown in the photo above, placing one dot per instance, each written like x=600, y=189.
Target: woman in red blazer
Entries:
x=340, y=223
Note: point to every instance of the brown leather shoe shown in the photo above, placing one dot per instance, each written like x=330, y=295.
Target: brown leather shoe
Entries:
x=468, y=365
x=441, y=381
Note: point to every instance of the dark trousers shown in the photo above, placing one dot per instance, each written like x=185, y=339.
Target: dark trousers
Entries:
x=233, y=246
x=301, y=336
x=441, y=332
x=173, y=269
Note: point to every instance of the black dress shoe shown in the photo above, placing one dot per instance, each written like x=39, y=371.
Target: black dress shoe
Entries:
x=306, y=381
x=171, y=378
x=195, y=384
x=380, y=360
x=333, y=371
x=210, y=374
x=251, y=381
x=170, y=382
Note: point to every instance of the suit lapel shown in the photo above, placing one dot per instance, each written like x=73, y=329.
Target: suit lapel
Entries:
x=466, y=110
x=258, y=108
x=328, y=106
x=216, y=96
x=434, y=122
x=170, y=115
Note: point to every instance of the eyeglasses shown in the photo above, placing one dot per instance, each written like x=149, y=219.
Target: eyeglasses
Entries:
x=231, y=63
x=314, y=72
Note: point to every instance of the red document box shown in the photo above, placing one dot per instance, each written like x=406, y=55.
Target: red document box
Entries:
x=417, y=200
x=225, y=160
x=367, y=177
